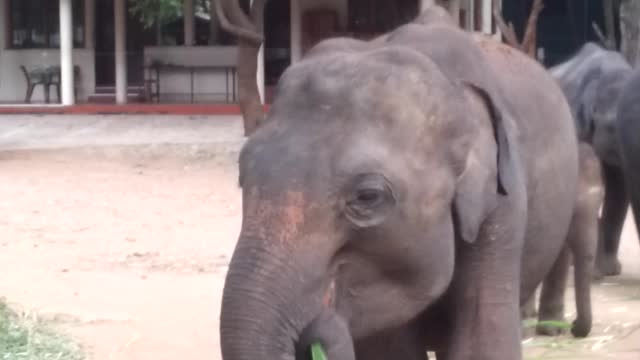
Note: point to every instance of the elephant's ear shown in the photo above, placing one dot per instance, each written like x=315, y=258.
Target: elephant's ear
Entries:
x=485, y=177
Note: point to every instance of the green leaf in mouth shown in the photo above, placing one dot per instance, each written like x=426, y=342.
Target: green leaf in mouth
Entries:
x=317, y=352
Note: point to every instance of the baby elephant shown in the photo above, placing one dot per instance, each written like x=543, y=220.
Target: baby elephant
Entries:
x=581, y=243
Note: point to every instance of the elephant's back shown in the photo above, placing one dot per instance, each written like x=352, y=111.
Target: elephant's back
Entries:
x=548, y=139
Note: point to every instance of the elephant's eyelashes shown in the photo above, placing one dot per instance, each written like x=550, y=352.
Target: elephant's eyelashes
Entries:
x=369, y=200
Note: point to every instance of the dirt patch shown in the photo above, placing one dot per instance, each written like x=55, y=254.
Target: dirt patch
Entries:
x=131, y=256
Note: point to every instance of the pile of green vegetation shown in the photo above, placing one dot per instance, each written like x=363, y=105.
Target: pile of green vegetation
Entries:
x=28, y=337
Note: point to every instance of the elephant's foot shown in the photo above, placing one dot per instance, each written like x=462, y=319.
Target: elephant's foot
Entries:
x=529, y=310
x=607, y=265
x=549, y=323
x=549, y=330
x=581, y=327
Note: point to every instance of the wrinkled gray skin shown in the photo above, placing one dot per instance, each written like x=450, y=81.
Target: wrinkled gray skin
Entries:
x=581, y=246
x=628, y=128
x=394, y=187
x=593, y=81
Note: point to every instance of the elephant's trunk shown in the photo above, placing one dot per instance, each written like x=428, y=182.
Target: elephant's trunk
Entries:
x=269, y=309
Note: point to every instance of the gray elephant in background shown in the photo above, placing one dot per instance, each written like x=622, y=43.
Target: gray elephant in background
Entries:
x=593, y=82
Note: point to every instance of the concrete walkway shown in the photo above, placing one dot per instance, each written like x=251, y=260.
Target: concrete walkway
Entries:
x=48, y=132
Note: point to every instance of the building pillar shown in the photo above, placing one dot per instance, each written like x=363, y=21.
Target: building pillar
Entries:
x=296, y=31
x=89, y=23
x=66, y=53
x=487, y=16
x=189, y=23
x=119, y=8
x=471, y=13
x=260, y=73
x=260, y=70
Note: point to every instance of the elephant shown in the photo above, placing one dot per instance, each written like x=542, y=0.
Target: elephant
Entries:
x=593, y=80
x=401, y=196
x=581, y=246
x=628, y=133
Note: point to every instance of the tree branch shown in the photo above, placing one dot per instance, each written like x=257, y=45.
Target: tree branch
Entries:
x=507, y=31
x=257, y=14
x=607, y=37
x=599, y=34
x=531, y=32
x=528, y=44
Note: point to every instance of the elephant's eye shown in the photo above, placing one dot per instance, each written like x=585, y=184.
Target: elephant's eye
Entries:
x=368, y=197
x=369, y=201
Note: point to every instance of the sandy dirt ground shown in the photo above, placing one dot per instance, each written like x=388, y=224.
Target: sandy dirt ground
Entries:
x=131, y=256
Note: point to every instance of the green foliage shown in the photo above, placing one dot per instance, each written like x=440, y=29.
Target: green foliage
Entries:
x=531, y=323
x=152, y=12
x=26, y=337
x=317, y=352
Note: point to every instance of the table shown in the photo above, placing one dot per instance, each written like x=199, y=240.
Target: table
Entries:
x=230, y=75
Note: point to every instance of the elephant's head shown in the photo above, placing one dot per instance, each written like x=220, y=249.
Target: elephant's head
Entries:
x=371, y=169
x=606, y=97
x=591, y=81
x=604, y=114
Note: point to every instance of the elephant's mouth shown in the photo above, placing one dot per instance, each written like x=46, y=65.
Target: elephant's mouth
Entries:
x=331, y=332
x=328, y=329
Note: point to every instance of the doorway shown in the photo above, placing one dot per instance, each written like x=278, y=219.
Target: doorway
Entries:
x=277, y=46
x=105, y=62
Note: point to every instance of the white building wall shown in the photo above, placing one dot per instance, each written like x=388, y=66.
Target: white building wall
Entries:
x=13, y=86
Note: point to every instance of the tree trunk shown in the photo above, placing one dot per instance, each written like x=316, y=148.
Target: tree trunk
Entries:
x=630, y=28
x=610, y=27
x=214, y=27
x=425, y=4
x=158, y=33
x=454, y=10
x=248, y=92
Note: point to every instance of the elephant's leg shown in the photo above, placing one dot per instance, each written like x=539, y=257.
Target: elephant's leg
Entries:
x=632, y=177
x=635, y=196
x=485, y=299
x=552, y=295
x=529, y=311
x=583, y=237
x=529, y=308
x=614, y=212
